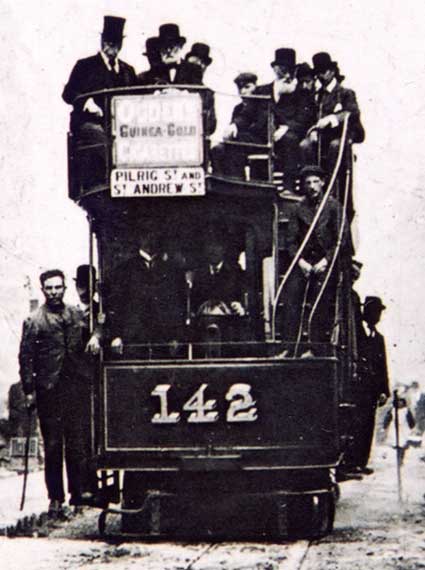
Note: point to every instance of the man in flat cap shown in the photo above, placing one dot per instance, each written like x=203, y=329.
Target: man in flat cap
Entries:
x=230, y=160
x=310, y=272
x=333, y=103
x=101, y=71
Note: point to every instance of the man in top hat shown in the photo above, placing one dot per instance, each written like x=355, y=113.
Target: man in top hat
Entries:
x=101, y=71
x=290, y=120
x=230, y=160
x=333, y=103
x=154, y=60
x=314, y=262
x=199, y=55
x=172, y=69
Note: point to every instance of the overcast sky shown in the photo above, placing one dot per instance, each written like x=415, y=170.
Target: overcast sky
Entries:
x=379, y=46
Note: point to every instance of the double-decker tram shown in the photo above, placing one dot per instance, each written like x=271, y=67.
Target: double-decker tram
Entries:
x=208, y=419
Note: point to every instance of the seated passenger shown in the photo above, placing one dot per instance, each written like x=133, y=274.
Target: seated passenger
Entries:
x=199, y=55
x=218, y=283
x=334, y=101
x=307, y=278
x=101, y=71
x=230, y=160
x=146, y=301
x=288, y=113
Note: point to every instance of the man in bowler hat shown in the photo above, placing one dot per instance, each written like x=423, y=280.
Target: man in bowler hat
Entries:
x=290, y=119
x=333, y=103
x=199, y=54
x=101, y=71
x=152, y=54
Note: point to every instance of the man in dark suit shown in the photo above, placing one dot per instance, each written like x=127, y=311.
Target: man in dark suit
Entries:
x=218, y=283
x=154, y=59
x=101, y=71
x=230, y=160
x=290, y=120
x=308, y=275
x=333, y=102
x=374, y=379
x=146, y=299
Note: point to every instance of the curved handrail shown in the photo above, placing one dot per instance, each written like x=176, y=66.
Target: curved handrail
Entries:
x=313, y=223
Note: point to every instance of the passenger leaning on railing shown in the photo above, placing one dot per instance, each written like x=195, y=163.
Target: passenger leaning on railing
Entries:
x=333, y=102
x=101, y=71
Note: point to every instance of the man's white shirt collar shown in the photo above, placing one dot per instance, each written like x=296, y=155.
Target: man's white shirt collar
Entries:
x=108, y=65
x=214, y=269
x=145, y=255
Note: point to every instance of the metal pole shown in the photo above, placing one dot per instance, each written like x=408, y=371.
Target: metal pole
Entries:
x=397, y=445
x=26, y=459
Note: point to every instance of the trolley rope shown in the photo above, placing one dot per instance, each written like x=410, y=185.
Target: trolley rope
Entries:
x=313, y=224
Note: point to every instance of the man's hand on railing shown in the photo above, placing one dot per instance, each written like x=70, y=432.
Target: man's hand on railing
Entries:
x=325, y=122
x=93, y=345
x=237, y=308
x=230, y=132
x=305, y=267
x=117, y=345
x=91, y=107
x=280, y=132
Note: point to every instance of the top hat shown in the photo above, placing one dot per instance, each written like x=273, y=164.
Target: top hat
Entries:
x=374, y=301
x=82, y=278
x=312, y=170
x=322, y=61
x=304, y=70
x=244, y=78
x=202, y=51
x=284, y=56
x=151, y=46
x=113, y=28
x=169, y=34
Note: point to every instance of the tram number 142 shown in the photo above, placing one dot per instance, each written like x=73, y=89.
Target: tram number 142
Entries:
x=241, y=408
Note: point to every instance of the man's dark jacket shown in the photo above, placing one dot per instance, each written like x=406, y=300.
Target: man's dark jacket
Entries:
x=323, y=240
x=376, y=371
x=146, y=304
x=289, y=110
x=337, y=102
x=91, y=74
x=51, y=344
x=225, y=286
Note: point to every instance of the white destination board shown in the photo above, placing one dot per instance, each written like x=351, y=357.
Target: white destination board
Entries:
x=164, y=129
x=157, y=182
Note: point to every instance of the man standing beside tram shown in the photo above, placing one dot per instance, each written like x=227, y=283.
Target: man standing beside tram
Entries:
x=51, y=359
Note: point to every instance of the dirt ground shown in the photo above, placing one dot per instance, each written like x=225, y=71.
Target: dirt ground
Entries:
x=372, y=530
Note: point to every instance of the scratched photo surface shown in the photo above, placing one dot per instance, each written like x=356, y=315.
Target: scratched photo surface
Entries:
x=379, y=47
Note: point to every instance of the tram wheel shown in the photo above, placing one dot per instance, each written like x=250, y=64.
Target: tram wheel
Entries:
x=306, y=516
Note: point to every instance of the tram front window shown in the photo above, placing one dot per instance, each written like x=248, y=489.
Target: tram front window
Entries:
x=170, y=290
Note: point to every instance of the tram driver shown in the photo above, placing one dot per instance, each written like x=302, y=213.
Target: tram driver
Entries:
x=309, y=276
x=218, y=283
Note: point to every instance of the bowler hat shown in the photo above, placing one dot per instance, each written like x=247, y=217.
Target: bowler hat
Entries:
x=113, y=28
x=83, y=275
x=244, y=78
x=202, y=51
x=374, y=301
x=304, y=70
x=169, y=34
x=284, y=56
x=312, y=170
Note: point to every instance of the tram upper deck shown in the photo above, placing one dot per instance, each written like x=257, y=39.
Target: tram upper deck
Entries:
x=145, y=166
